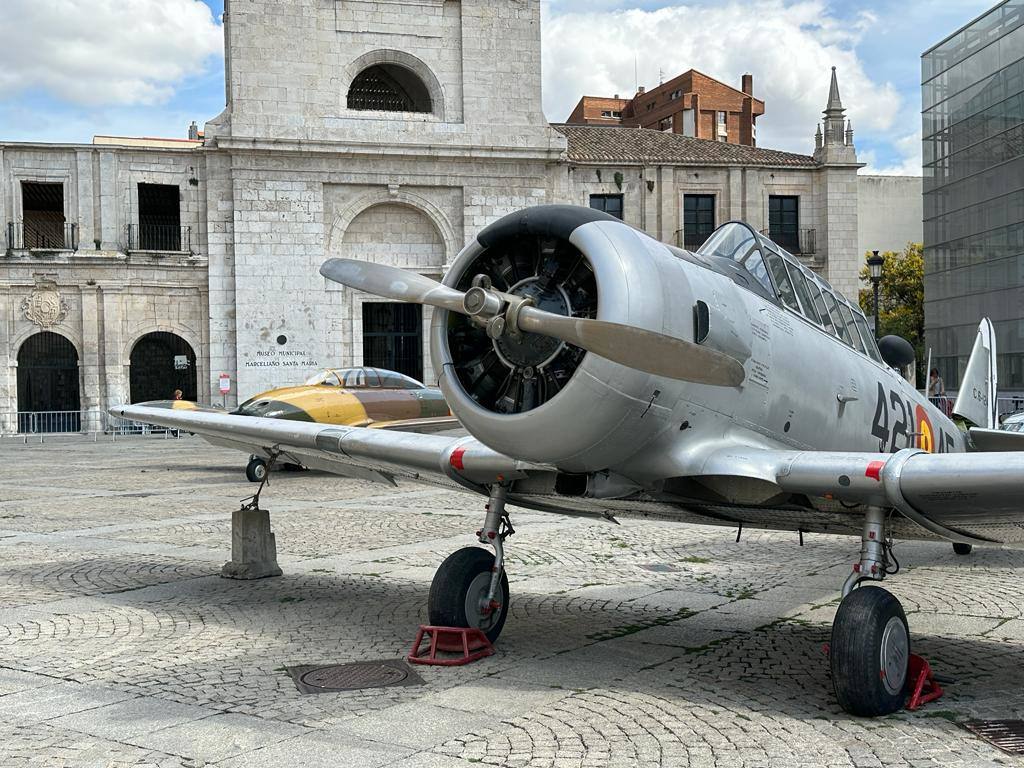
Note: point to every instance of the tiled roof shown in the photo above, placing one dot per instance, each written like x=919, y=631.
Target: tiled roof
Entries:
x=613, y=144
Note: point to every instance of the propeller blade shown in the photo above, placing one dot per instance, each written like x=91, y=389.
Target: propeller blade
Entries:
x=393, y=283
x=638, y=348
x=633, y=347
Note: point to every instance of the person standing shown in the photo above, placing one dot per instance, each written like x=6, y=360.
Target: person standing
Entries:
x=937, y=390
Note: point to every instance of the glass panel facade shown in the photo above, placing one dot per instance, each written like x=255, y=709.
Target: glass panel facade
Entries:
x=973, y=127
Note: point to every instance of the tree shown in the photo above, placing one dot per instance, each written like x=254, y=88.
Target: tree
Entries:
x=900, y=296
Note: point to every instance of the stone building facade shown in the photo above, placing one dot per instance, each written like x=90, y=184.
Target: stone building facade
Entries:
x=390, y=130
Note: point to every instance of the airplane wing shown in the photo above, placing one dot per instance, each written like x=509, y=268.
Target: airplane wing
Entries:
x=968, y=497
x=371, y=454
x=965, y=497
x=996, y=439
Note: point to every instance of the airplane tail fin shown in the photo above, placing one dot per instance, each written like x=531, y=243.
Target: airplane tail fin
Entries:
x=976, y=400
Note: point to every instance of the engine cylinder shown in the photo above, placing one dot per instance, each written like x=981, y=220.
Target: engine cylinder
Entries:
x=535, y=397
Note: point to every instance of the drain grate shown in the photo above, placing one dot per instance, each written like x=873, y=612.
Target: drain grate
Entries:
x=1007, y=735
x=325, y=678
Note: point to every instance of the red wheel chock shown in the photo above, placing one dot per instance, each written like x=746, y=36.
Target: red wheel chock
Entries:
x=471, y=642
x=924, y=687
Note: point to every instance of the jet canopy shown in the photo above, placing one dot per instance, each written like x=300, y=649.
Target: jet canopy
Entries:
x=363, y=378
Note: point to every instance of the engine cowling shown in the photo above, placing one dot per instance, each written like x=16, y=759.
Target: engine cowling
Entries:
x=539, y=399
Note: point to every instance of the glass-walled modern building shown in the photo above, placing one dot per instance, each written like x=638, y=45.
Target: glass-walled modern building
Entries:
x=973, y=129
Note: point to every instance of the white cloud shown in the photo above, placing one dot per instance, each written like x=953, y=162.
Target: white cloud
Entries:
x=99, y=52
x=789, y=46
x=908, y=147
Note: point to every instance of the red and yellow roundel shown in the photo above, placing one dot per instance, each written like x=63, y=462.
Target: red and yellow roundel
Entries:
x=925, y=433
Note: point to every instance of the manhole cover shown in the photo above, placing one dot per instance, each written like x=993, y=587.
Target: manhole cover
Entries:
x=1007, y=735
x=324, y=678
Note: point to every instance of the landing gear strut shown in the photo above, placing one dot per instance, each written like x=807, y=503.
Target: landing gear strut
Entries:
x=470, y=589
x=870, y=650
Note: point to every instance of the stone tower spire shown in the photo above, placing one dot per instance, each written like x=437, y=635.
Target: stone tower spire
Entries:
x=835, y=120
x=836, y=142
x=836, y=188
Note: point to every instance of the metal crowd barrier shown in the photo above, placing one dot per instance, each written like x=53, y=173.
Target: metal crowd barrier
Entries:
x=94, y=423
x=1008, y=405
x=1004, y=405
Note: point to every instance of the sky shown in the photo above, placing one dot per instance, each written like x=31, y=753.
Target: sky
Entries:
x=70, y=69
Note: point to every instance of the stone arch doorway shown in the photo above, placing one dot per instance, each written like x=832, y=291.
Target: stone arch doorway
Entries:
x=391, y=334
x=49, y=398
x=162, y=362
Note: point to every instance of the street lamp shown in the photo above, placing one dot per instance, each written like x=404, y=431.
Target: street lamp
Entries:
x=875, y=263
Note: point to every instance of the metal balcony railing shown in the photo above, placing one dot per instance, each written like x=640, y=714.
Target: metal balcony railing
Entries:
x=801, y=243
x=158, y=237
x=58, y=236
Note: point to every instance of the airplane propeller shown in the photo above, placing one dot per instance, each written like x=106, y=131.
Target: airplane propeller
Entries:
x=501, y=313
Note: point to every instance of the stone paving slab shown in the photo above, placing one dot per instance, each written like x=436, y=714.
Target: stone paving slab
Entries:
x=643, y=644
x=215, y=738
x=131, y=719
x=36, y=705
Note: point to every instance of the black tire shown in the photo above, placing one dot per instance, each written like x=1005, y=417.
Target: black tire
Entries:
x=868, y=682
x=256, y=470
x=463, y=571
x=962, y=549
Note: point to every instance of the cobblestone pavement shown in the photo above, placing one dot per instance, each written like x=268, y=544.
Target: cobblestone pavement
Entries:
x=642, y=644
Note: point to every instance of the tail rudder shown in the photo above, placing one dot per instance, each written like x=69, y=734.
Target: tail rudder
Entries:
x=976, y=400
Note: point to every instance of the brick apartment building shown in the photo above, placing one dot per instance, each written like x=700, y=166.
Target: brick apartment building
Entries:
x=691, y=104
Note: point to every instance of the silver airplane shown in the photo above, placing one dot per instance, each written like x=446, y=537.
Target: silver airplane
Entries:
x=602, y=373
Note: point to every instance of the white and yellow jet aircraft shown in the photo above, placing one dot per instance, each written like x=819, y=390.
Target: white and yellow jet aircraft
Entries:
x=601, y=372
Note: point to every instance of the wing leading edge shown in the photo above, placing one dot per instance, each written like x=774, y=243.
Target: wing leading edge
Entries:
x=372, y=454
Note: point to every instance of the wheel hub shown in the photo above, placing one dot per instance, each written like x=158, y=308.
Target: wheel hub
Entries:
x=894, y=655
x=479, y=610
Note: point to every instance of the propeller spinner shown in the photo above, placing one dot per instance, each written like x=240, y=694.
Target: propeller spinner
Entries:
x=505, y=314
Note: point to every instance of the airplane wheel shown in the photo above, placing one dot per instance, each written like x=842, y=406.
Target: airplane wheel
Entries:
x=256, y=470
x=459, y=589
x=962, y=549
x=870, y=653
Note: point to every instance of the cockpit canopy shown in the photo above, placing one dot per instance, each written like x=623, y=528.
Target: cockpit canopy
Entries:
x=363, y=378
x=791, y=284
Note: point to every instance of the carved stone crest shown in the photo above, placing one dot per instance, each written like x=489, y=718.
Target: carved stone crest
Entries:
x=44, y=306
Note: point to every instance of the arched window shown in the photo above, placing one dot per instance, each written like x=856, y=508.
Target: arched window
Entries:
x=389, y=88
x=162, y=362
